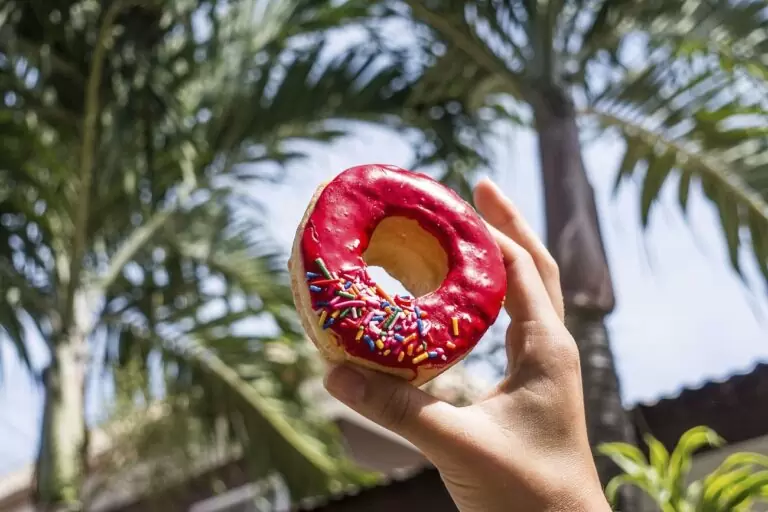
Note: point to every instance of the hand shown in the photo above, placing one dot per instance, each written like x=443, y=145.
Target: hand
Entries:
x=523, y=447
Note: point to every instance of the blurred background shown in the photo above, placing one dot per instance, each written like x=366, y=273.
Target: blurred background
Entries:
x=158, y=155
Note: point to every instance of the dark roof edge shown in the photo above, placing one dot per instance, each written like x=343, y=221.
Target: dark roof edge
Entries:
x=709, y=386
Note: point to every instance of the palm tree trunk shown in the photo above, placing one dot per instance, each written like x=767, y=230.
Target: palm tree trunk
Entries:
x=574, y=238
x=62, y=461
x=61, y=464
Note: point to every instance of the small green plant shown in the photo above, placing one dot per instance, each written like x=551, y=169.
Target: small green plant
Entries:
x=736, y=485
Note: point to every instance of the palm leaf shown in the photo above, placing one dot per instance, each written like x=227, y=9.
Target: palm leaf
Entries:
x=729, y=31
x=702, y=132
x=231, y=376
x=191, y=102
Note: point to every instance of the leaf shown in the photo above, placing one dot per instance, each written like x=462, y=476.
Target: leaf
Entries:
x=744, y=459
x=659, y=167
x=629, y=458
x=684, y=189
x=729, y=219
x=681, y=460
x=698, y=94
x=170, y=244
x=450, y=23
x=718, y=483
x=614, y=486
x=633, y=154
x=738, y=204
x=759, y=241
x=742, y=492
x=659, y=456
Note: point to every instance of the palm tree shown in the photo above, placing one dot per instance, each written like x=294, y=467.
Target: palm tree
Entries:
x=132, y=131
x=681, y=82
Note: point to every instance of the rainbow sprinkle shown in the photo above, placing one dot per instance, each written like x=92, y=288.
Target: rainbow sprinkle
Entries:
x=323, y=268
x=352, y=304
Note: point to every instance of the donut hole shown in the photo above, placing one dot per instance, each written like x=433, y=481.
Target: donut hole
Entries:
x=409, y=254
x=387, y=281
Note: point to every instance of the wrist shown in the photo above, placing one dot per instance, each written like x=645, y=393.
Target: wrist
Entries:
x=594, y=500
x=598, y=503
x=587, y=497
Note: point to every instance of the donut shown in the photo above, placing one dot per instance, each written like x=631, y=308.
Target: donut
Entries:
x=425, y=236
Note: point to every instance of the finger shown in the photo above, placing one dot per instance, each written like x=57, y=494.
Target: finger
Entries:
x=502, y=214
x=527, y=298
x=396, y=405
x=541, y=343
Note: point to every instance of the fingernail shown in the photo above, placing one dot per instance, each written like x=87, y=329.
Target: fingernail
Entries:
x=346, y=384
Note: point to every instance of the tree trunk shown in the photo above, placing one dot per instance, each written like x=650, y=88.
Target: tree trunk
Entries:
x=574, y=238
x=61, y=465
x=606, y=418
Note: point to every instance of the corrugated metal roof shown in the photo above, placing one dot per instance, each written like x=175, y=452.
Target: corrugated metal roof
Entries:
x=315, y=503
x=413, y=491
x=706, y=381
x=736, y=408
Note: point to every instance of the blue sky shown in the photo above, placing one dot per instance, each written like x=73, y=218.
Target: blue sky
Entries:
x=683, y=317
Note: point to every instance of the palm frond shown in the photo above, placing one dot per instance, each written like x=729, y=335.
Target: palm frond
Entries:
x=196, y=103
x=595, y=35
x=210, y=300
x=494, y=53
x=696, y=122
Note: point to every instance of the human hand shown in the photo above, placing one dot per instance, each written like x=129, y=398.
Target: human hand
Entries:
x=524, y=446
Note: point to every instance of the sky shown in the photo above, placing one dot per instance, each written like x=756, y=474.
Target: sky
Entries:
x=683, y=317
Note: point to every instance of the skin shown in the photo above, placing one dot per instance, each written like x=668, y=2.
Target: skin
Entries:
x=524, y=446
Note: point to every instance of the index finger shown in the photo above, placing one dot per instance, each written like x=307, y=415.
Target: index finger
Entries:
x=501, y=213
x=527, y=298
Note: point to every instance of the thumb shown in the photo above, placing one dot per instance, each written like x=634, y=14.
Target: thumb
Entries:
x=396, y=405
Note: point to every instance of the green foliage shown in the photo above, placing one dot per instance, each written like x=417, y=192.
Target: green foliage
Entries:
x=682, y=82
x=698, y=108
x=738, y=483
x=136, y=134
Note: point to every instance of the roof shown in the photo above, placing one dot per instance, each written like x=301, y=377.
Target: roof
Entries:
x=736, y=408
x=411, y=491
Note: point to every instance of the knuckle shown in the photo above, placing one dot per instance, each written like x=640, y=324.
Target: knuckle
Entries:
x=506, y=222
x=557, y=346
x=551, y=267
x=547, y=266
x=567, y=352
x=522, y=261
x=394, y=408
